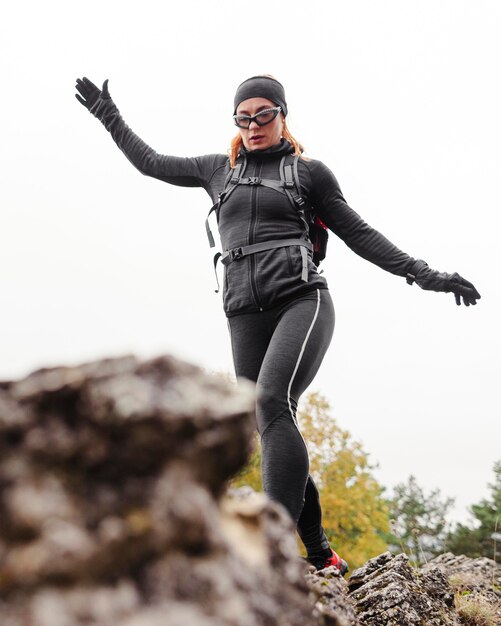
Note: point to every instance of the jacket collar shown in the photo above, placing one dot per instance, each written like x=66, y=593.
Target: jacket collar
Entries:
x=279, y=149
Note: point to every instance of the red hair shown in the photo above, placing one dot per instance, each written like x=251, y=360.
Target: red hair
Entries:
x=237, y=143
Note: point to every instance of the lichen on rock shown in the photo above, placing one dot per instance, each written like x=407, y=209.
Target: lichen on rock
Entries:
x=113, y=505
x=115, y=509
x=387, y=591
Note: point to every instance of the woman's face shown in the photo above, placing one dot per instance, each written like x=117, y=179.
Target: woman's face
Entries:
x=260, y=137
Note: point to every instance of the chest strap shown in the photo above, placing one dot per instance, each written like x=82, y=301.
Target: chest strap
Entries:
x=264, y=182
x=237, y=253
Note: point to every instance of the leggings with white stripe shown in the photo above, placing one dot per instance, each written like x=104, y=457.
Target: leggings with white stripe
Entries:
x=281, y=350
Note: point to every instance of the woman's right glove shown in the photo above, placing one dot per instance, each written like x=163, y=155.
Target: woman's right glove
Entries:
x=432, y=280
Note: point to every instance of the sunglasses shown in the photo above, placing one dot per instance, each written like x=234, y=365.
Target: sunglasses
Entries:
x=262, y=118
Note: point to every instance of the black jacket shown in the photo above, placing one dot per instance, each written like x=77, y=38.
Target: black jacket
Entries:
x=254, y=214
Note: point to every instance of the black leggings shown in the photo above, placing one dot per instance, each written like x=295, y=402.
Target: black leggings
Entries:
x=281, y=351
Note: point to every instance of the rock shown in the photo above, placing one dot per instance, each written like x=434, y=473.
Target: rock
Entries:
x=113, y=504
x=475, y=581
x=480, y=572
x=387, y=591
x=329, y=592
x=115, y=509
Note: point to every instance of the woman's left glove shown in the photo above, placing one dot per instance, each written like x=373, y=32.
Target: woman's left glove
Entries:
x=432, y=280
x=90, y=94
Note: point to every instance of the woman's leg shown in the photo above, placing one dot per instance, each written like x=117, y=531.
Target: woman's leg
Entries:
x=301, y=337
x=309, y=526
x=250, y=336
x=282, y=350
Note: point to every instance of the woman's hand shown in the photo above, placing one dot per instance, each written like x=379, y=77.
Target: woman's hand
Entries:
x=89, y=93
x=432, y=280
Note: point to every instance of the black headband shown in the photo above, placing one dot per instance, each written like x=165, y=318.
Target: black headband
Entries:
x=261, y=87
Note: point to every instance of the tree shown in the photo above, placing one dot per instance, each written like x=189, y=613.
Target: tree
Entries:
x=250, y=475
x=479, y=539
x=355, y=515
x=418, y=520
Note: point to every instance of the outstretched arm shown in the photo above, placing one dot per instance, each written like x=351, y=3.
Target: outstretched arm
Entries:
x=187, y=172
x=432, y=280
x=370, y=244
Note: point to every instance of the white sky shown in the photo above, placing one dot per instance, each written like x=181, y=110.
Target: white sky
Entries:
x=401, y=99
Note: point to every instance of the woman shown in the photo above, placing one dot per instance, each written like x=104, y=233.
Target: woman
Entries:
x=280, y=314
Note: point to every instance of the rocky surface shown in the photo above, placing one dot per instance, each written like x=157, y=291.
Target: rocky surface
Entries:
x=328, y=591
x=115, y=510
x=474, y=581
x=387, y=591
x=112, y=506
x=481, y=573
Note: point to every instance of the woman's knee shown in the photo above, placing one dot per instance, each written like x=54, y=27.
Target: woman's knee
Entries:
x=270, y=406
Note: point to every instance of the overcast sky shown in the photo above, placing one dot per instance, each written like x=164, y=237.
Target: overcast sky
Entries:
x=401, y=99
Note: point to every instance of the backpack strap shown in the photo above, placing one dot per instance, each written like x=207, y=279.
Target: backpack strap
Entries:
x=292, y=186
x=230, y=183
x=237, y=253
x=295, y=173
x=287, y=185
x=232, y=180
x=317, y=230
x=290, y=181
x=265, y=182
x=217, y=256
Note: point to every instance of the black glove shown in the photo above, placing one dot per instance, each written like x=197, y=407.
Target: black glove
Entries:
x=90, y=92
x=430, y=279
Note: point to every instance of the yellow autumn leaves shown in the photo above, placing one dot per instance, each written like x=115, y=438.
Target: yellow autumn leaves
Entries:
x=355, y=515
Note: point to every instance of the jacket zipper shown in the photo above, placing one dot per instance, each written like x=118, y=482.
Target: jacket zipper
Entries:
x=253, y=224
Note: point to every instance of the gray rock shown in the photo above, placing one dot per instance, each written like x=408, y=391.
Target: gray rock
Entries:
x=329, y=592
x=473, y=580
x=387, y=591
x=481, y=571
x=113, y=509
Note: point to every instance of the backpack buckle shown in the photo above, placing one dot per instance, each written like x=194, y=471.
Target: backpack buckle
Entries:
x=410, y=278
x=235, y=254
x=254, y=180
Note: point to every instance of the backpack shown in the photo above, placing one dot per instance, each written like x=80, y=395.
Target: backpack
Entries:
x=288, y=184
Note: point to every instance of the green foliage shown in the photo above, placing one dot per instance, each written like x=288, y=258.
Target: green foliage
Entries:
x=477, y=540
x=355, y=515
x=418, y=520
